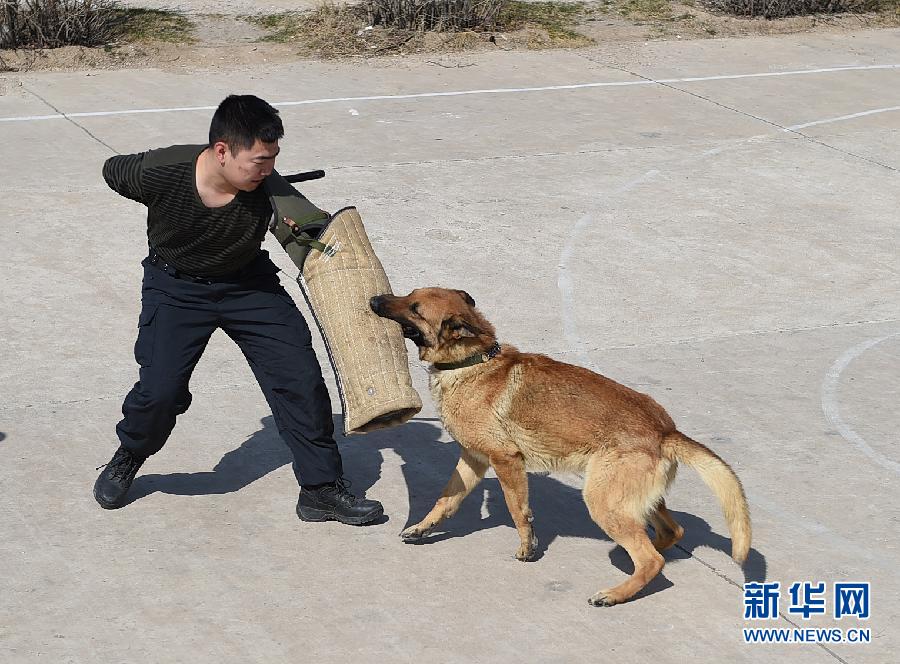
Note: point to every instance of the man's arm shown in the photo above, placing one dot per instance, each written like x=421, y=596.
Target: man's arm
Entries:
x=123, y=175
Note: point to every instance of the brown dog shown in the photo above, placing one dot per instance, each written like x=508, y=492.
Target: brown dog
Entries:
x=516, y=411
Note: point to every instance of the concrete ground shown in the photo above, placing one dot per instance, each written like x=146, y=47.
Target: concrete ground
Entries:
x=713, y=223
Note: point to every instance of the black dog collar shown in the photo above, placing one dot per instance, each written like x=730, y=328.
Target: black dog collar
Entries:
x=470, y=361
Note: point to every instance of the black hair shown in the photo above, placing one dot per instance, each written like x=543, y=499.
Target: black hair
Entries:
x=241, y=120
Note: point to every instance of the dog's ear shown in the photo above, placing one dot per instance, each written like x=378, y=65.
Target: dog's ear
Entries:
x=457, y=328
x=467, y=298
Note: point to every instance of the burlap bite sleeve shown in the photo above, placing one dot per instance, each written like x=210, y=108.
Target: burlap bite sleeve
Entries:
x=367, y=352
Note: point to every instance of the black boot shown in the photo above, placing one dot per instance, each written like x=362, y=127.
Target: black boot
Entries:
x=333, y=502
x=115, y=480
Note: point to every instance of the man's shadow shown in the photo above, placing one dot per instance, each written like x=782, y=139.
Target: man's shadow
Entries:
x=265, y=451
x=259, y=455
x=427, y=466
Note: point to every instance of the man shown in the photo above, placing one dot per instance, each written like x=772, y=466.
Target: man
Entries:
x=207, y=218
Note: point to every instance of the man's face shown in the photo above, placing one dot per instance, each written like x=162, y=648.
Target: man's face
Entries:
x=248, y=168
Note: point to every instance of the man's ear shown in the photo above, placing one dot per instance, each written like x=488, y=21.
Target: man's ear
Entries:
x=467, y=298
x=220, y=150
x=458, y=328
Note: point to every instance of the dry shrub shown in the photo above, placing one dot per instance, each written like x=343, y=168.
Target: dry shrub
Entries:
x=785, y=8
x=437, y=15
x=54, y=23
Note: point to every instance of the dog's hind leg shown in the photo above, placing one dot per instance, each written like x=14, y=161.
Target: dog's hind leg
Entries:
x=510, y=471
x=620, y=489
x=469, y=472
x=668, y=532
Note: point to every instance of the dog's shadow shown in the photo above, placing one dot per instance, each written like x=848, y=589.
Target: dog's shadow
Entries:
x=427, y=464
x=558, y=507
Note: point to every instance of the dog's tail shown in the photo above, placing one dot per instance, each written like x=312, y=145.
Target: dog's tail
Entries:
x=719, y=477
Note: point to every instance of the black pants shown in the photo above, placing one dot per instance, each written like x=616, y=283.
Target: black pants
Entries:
x=178, y=316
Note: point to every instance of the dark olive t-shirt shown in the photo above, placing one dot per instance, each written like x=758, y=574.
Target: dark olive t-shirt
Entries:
x=195, y=239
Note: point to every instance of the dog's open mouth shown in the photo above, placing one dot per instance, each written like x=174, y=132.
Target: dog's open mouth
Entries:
x=410, y=331
x=413, y=333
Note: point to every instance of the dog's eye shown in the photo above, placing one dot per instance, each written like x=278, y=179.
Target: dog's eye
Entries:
x=414, y=307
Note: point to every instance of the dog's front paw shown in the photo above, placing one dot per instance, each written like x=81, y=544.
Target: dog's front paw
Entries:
x=414, y=533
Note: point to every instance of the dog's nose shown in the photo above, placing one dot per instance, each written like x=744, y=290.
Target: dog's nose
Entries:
x=375, y=303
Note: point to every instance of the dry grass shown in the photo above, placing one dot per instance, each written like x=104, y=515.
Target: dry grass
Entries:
x=774, y=9
x=149, y=38
x=644, y=10
x=332, y=30
x=557, y=19
x=144, y=25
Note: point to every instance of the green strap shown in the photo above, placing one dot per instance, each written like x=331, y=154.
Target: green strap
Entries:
x=326, y=249
x=297, y=241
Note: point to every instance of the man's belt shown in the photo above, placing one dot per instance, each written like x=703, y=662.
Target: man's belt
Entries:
x=160, y=263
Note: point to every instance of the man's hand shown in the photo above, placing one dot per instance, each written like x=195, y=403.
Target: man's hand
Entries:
x=295, y=229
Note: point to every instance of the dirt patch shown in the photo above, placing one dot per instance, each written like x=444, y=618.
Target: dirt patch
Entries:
x=150, y=56
x=221, y=41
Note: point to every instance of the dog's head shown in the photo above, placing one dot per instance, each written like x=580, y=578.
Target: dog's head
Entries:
x=443, y=323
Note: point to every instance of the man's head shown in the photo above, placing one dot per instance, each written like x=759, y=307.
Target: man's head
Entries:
x=243, y=137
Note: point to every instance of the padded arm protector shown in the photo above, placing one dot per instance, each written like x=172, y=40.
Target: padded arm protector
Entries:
x=339, y=274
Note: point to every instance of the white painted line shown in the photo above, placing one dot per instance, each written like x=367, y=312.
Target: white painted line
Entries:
x=33, y=117
x=832, y=411
x=843, y=117
x=61, y=116
x=460, y=93
x=566, y=283
x=793, y=72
